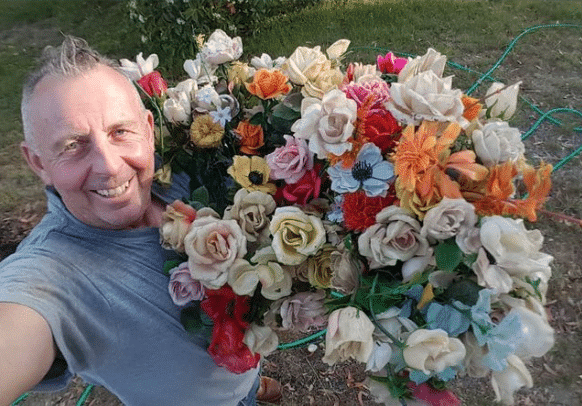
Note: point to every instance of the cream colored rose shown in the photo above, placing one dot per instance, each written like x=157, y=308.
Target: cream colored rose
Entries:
x=501, y=100
x=296, y=235
x=490, y=275
x=327, y=124
x=428, y=97
x=212, y=246
x=448, y=219
x=324, y=82
x=505, y=383
x=515, y=249
x=305, y=64
x=497, y=143
x=432, y=351
x=338, y=48
x=176, y=222
x=394, y=237
x=432, y=60
x=318, y=267
x=244, y=277
x=251, y=210
x=364, y=73
x=261, y=339
x=349, y=335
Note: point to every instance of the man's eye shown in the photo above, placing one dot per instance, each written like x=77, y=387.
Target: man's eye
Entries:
x=71, y=146
x=121, y=132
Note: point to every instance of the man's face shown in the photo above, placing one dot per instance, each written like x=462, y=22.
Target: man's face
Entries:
x=94, y=144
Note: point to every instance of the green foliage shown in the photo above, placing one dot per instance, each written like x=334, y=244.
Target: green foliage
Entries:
x=448, y=255
x=179, y=22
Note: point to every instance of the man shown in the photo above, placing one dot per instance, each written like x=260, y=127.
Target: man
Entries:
x=85, y=293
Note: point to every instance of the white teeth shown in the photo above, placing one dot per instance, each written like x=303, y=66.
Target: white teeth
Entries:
x=113, y=192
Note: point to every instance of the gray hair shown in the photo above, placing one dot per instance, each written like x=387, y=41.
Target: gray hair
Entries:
x=72, y=58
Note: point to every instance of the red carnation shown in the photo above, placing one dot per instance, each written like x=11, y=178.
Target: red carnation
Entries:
x=382, y=129
x=360, y=210
x=154, y=84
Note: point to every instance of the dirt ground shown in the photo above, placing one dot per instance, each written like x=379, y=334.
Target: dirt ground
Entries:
x=551, y=68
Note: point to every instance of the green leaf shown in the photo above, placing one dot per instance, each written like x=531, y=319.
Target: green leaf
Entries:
x=170, y=264
x=191, y=318
x=465, y=291
x=200, y=195
x=448, y=255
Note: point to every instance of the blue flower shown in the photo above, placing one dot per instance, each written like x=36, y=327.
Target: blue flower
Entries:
x=370, y=172
x=221, y=116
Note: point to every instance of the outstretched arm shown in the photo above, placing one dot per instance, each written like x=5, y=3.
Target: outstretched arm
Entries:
x=27, y=350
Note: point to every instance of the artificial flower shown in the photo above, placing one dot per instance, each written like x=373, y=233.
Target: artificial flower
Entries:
x=305, y=189
x=291, y=161
x=505, y=383
x=338, y=48
x=251, y=137
x=221, y=115
x=395, y=237
x=177, y=108
x=347, y=269
x=326, y=124
x=212, y=246
x=182, y=287
x=239, y=73
x=432, y=60
x=153, y=84
x=205, y=133
x=319, y=270
x=244, y=277
x=501, y=100
x=359, y=210
x=370, y=173
x=426, y=96
x=252, y=173
x=349, y=335
x=303, y=311
x=268, y=84
x=382, y=129
x=305, y=64
x=361, y=73
x=251, y=210
x=432, y=351
x=200, y=71
x=390, y=63
x=206, y=99
x=473, y=362
x=296, y=235
x=141, y=67
x=490, y=275
x=261, y=339
x=359, y=92
x=176, y=220
x=449, y=218
x=324, y=82
x=266, y=62
x=497, y=143
x=219, y=48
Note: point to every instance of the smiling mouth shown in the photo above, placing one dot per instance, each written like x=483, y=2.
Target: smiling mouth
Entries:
x=113, y=192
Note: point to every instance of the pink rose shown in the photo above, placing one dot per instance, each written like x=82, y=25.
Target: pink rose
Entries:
x=307, y=188
x=390, y=63
x=291, y=161
x=154, y=84
x=182, y=287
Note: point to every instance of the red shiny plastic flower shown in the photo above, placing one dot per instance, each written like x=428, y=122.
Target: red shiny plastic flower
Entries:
x=432, y=396
x=306, y=188
x=360, y=210
x=390, y=63
x=154, y=84
x=227, y=310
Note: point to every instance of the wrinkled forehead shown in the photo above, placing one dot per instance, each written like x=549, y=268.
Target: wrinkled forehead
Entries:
x=99, y=94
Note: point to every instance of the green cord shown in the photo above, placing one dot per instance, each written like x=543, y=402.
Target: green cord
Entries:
x=85, y=395
x=19, y=400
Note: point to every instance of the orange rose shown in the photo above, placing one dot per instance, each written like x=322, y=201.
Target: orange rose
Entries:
x=268, y=84
x=251, y=137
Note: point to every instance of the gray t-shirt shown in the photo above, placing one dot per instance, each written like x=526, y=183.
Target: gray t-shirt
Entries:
x=105, y=298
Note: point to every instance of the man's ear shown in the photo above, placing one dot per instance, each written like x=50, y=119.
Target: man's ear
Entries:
x=150, y=126
x=34, y=162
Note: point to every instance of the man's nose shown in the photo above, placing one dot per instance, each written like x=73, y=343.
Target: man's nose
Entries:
x=106, y=156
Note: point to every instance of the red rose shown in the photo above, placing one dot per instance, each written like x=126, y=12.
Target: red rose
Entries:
x=432, y=396
x=306, y=188
x=382, y=129
x=360, y=210
x=227, y=310
x=153, y=84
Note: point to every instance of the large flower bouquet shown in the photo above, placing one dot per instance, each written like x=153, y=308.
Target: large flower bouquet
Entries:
x=377, y=202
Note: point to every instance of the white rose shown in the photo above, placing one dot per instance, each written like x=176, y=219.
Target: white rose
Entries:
x=395, y=236
x=261, y=339
x=473, y=361
x=514, y=248
x=428, y=97
x=296, y=235
x=251, y=210
x=432, y=60
x=338, y=48
x=432, y=351
x=448, y=219
x=305, y=64
x=381, y=354
x=349, y=335
x=220, y=48
x=206, y=99
x=364, y=73
x=497, y=143
x=212, y=246
x=502, y=100
x=324, y=82
x=176, y=108
x=266, y=62
x=327, y=124
x=512, y=378
x=491, y=276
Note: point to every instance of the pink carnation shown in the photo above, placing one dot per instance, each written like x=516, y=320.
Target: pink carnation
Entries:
x=291, y=161
x=360, y=91
x=390, y=63
x=183, y=288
